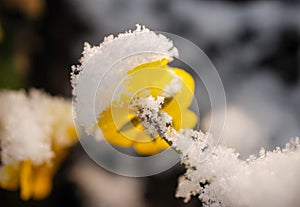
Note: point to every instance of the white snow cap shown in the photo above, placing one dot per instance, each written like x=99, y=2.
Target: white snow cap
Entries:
x=31, y=124
x=103, y=67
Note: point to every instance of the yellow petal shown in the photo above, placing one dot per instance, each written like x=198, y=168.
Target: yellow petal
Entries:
x=110, y=131
x=149, y=77
x=43, y=175
x=42, y=181
x=152, y=147
x=71, y=132
x=119, y=127
x=189, y=119
x=9, y=177
x=26, y=178
x=186, y=94
x=155, y=64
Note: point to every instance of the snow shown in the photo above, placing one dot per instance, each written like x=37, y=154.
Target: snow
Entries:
x=30, y=124
x=103, y=67
x=220, y=177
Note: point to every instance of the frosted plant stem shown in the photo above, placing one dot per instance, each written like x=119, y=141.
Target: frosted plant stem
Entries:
x=160, y=123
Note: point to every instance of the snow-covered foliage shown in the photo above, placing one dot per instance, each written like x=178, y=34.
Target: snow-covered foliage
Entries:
x=32, y=124
x=185, y=141
x=238, y=37
x=102, y=68
x=223, y=179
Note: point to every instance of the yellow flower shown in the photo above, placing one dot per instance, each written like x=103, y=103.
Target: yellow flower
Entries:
x=35, y=181
x=122, y=128
x=32, y=152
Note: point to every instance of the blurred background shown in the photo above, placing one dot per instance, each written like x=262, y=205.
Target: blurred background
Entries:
x=254, y=45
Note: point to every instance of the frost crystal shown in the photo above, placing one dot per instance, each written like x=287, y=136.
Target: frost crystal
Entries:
x=223, y=179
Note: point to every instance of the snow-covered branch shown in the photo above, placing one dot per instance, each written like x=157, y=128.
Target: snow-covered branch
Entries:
x=272, y=179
